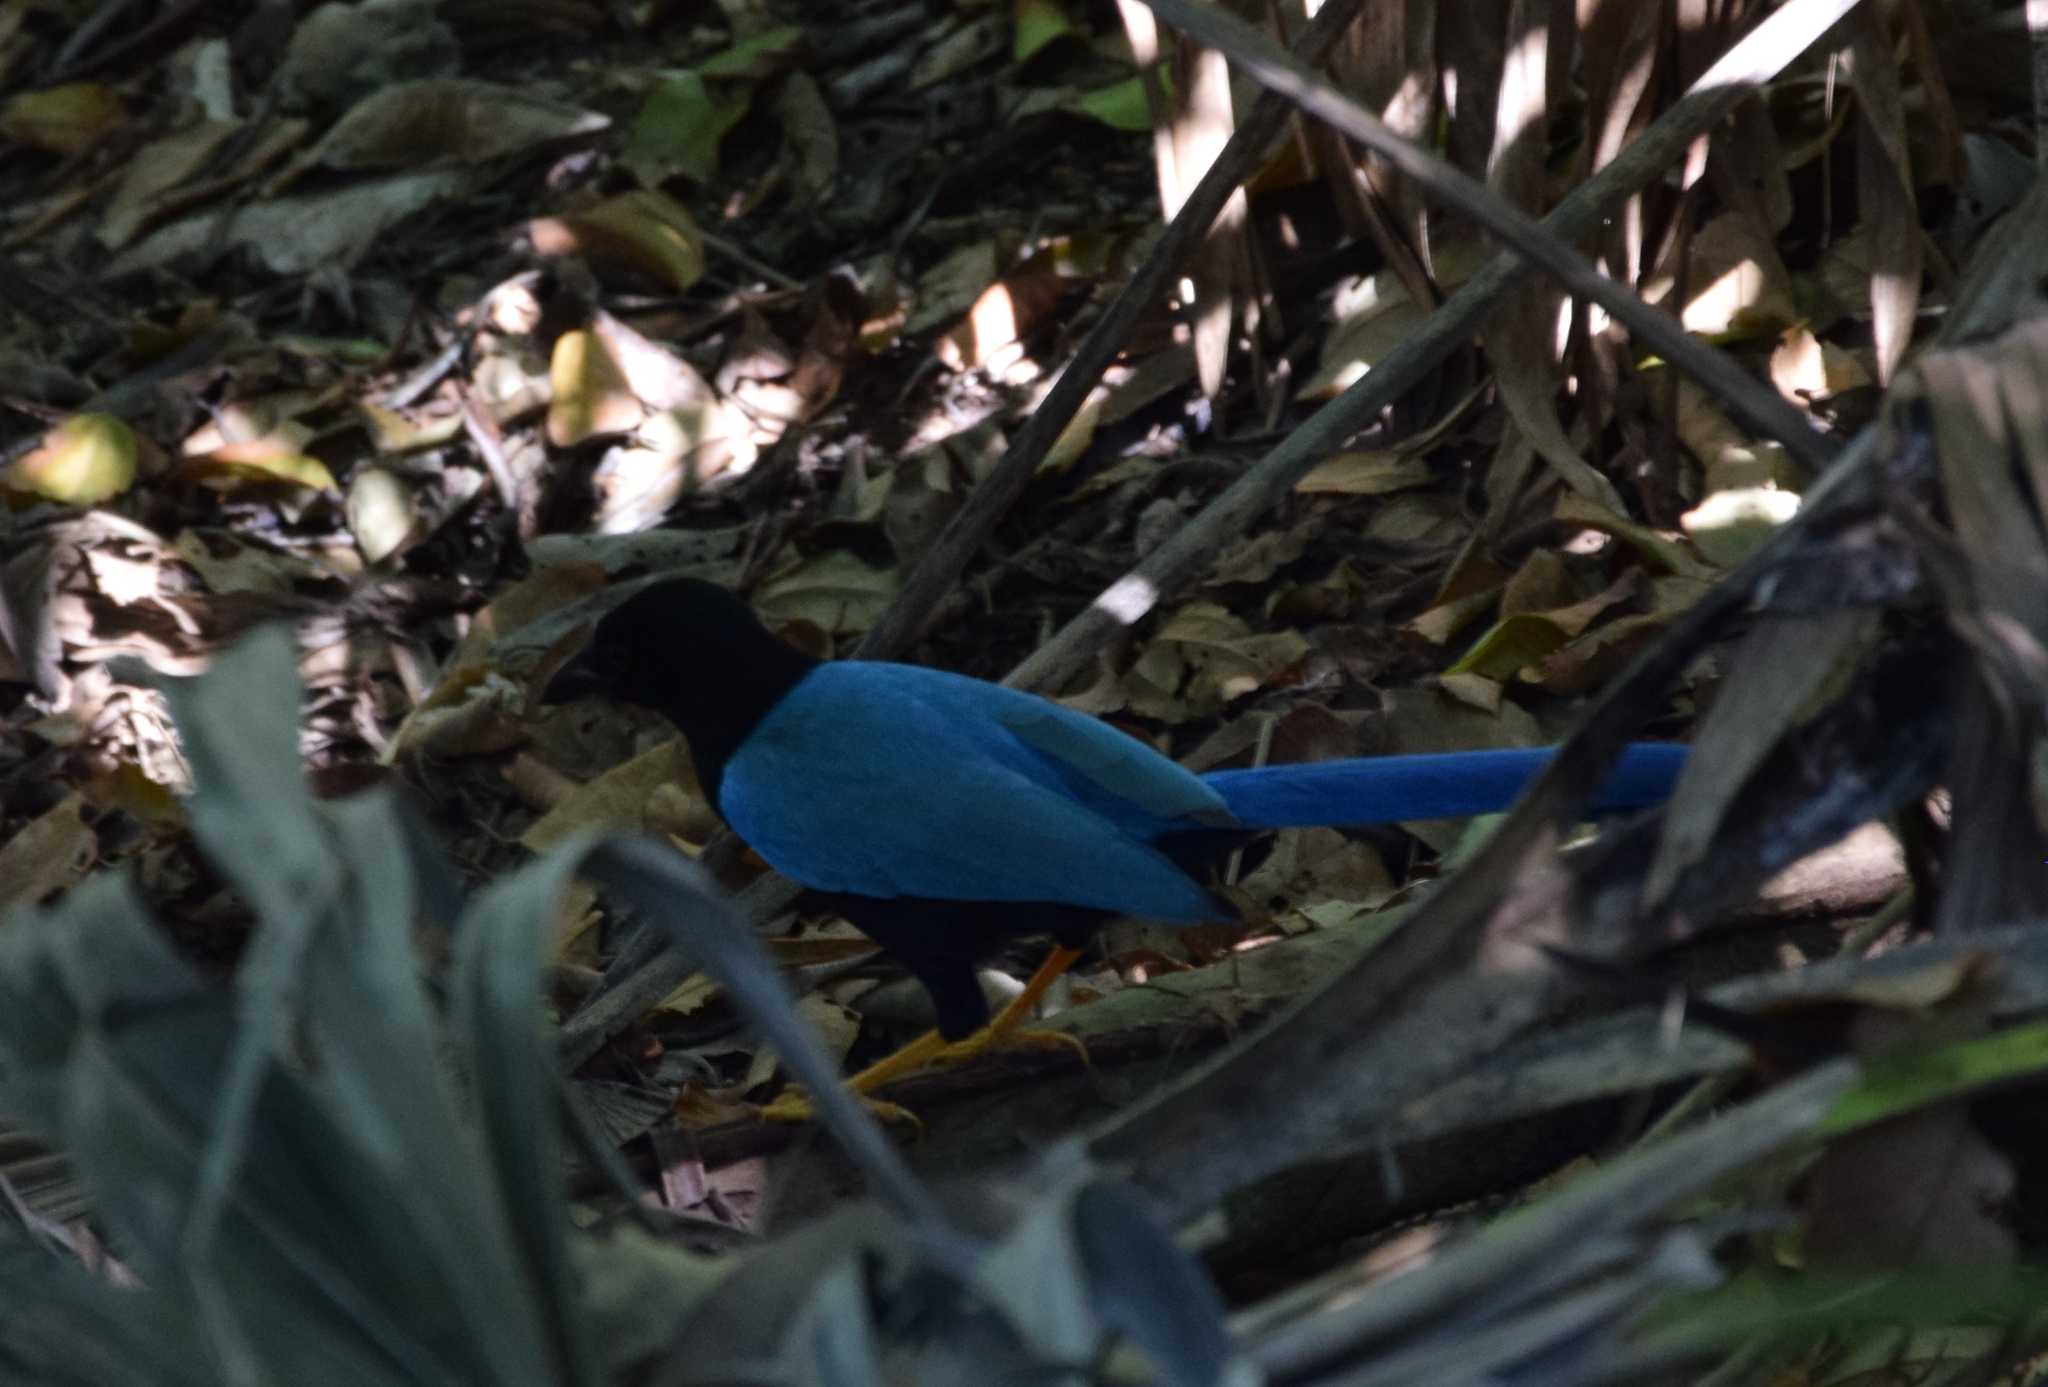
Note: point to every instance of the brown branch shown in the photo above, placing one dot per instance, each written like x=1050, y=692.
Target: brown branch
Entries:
x=1754, y=60
x=940, y=569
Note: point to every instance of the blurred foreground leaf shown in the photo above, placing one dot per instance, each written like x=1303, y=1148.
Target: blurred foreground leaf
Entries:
x=318, y=1176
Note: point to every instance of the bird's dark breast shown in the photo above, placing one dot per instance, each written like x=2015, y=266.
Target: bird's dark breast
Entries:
x=943, y=942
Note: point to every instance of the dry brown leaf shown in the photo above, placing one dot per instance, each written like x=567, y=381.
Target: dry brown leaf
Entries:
x=1884, y=188
x=1452, y=615
x=1225, y=658
x=1366, y=474
x=591, y=395
x=1738, y=285
x=149, y=190
x=646, y=232
x=52, y=852
x=619, y=799
x=65, y=120
x=948, y=289
x=835, y=592
x=410, y=125
x=1003, y=315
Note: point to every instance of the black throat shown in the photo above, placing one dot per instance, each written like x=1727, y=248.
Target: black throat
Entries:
x=698, y=655
x=717, y=718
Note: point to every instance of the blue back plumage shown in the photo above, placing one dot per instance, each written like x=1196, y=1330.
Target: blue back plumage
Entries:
x=893, y=780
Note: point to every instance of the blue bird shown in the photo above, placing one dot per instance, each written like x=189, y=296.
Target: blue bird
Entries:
x=942, y=814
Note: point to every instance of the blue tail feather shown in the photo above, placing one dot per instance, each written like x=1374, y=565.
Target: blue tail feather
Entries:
x=1439, y=785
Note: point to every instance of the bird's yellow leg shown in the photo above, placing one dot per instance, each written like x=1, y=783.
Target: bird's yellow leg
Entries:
x=1005, y=1029
x=931, y=1048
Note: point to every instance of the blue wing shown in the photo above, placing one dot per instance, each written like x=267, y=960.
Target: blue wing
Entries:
x=891, y=780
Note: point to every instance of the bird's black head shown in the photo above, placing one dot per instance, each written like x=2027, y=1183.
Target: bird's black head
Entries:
x=693, y=652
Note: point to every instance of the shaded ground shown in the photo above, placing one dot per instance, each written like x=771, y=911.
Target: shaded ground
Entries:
x=415, y=329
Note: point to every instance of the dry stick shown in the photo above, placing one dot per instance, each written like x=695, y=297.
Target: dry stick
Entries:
x=1297, y=1085
x=1613, y=1203
x=940, y=569
x=1755, y=404
x=648, y=969
x=643, y=976
x=1288, y=1090
x=1753, y=60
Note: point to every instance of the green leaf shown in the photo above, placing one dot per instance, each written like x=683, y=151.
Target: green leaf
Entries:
x=1120, y=106
x=764, y=55
x=1038, y=23
x=1511, y=644
x=87, y=459
x=323, y=1183
x=680, y=125
x=1905, y=1083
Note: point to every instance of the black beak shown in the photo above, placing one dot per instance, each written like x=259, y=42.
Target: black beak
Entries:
x=575, y=680
x=568, y=671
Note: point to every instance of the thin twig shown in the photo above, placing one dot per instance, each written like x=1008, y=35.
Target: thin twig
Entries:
x=1750, y=63
x=939, y=571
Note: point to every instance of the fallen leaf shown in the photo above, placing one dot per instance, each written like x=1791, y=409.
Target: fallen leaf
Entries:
x=53, y=851
x=1662, y=552
x=63, y=120
x=1226, y=658
x=1366, y=474
x=120, y=579
x=272, y=458
x=129, y=790
x=591, y=396
x=618, y=799
x=1511, y=644
x=949, y=288
x=294, y=236
x=1036, y=23
x=81, y=462
x=148, y=191
x=646, y=232
x=680, y=125
x=1120, y=105
x=766, y=54
x=1729, y=526
x=381, y=512
x=1739, y=286
x=835, y=592
x=1003, y=315
x=410, y=125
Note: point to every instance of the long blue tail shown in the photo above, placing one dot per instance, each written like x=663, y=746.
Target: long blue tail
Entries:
x=1438, y=785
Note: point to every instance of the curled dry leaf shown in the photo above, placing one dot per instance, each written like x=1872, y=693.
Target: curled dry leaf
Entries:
x=645, y=232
